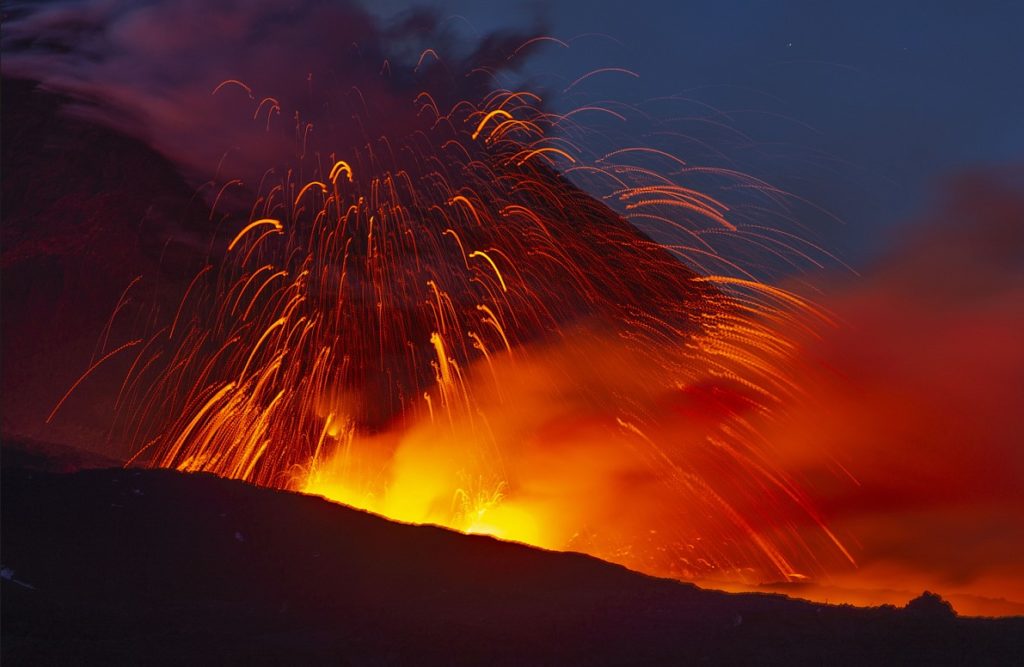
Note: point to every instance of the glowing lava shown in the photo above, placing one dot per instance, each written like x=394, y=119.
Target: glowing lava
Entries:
x=441, y=327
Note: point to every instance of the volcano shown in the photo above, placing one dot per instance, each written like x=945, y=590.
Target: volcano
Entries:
x=132, y=566
x=413, y=333
x=443, y=305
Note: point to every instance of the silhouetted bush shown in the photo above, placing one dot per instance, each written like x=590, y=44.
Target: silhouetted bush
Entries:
x=931, y=606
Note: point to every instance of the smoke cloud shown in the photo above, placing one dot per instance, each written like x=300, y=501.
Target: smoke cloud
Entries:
x=320, y=74
x=917, y=404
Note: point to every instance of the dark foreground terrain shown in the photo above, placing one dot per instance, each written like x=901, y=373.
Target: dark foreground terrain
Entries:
x=112, y=566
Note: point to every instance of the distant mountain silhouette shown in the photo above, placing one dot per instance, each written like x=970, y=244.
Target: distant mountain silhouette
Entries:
x=112, y=566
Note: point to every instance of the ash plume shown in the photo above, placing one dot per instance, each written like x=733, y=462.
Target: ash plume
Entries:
x=148, y=69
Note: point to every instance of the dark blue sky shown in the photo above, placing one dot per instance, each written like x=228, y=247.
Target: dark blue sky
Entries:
x=862, y=107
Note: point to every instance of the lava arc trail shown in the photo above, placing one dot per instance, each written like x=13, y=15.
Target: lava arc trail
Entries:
x=460, y=323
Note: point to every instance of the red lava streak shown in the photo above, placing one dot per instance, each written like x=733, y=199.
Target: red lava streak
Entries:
x=442, y=327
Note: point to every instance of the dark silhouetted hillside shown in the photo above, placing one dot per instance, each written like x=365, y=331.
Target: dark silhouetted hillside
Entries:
x=156, y=567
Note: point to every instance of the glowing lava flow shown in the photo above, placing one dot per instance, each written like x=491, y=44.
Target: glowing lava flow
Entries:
x=440, y=327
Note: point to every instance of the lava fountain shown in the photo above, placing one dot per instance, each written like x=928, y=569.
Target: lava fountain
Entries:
x=469, y=323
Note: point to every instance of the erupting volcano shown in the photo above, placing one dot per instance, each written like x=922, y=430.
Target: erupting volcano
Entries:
x=407, y=280
x=442, y=328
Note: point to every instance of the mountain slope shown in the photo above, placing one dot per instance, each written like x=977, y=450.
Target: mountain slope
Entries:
x=157, y=567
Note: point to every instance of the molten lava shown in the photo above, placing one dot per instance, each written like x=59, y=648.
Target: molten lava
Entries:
x=441, y=326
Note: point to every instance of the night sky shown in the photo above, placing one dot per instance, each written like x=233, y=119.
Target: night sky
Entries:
x=864, y=108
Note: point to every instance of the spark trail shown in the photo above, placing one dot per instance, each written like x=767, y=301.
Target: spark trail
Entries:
x=441, y=326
